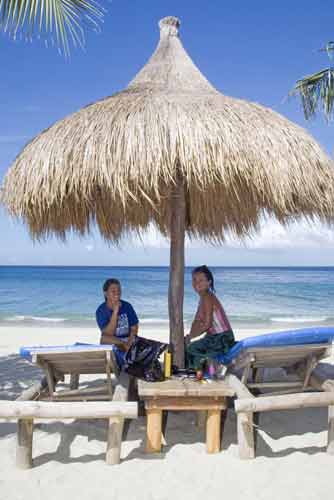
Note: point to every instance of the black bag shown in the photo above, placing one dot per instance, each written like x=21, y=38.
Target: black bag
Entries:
x=142, y=361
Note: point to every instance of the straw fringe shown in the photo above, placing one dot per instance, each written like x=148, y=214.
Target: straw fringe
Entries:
x=114, y=162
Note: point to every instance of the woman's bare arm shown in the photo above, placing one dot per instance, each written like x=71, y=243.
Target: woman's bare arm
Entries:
x=108, y=333
x=200, y=326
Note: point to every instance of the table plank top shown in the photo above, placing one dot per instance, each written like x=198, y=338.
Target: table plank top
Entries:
x=178, y=387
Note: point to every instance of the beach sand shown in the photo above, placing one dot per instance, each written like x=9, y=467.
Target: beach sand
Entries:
x=291, y=462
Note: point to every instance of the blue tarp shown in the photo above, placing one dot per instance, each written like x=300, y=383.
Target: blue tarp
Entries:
x=28, y=352
x=319, y=335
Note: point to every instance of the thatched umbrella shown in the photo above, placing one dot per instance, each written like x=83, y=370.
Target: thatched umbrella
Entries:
x=173, y=151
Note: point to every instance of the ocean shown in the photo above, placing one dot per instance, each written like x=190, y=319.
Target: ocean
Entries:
x=252, y=297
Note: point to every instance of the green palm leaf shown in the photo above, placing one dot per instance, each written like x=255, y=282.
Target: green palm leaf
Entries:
x=60, y=21
x=317, y=91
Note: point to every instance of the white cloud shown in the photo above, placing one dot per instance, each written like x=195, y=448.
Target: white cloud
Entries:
x=272, y=235
x=303, y=234
x=151, y=238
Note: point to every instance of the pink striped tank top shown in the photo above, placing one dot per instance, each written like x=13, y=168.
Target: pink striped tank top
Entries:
x=220, y=323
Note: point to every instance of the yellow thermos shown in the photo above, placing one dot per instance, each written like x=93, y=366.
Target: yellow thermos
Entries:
x=168, y=363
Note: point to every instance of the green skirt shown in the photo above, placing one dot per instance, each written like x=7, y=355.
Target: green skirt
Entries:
x=208, y=347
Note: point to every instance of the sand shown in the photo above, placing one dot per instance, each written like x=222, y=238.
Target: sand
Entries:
x=291, y=462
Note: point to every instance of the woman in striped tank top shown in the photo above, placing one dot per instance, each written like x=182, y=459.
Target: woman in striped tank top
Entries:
x=210, y=319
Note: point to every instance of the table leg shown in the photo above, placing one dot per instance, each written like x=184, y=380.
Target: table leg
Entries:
x=154, y=426
x=213, y=431
x=74, y=381
x=201, y=419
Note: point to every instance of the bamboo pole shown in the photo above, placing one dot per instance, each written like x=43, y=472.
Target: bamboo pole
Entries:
x=319, y=381
x=286, y=402
x=62, y=410
x=176, y=276
x=116, y=425
x=245, y=428
x=25, y=427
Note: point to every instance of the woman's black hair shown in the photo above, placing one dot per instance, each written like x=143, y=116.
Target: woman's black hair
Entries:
x=205, y=270
x=109, y=282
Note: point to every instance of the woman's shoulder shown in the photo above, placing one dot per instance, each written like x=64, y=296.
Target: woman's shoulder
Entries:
x=216, y=301
x=102, y=308
x=208, y=299
x=126, y=304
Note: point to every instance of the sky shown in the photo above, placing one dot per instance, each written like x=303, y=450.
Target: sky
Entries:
x=249, y=50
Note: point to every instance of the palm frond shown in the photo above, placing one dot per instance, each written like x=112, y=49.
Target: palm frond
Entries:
x=317, y=91
x=60, y=21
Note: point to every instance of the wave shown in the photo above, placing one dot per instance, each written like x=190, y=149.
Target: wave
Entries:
x=301, y=319
x=153, y=320
x=35, y=318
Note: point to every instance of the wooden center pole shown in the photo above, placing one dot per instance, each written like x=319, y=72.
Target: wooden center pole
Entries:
x=176, y=271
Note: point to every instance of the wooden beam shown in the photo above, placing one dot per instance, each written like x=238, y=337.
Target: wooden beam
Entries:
x=108, y=370
x=310, y=365
x=245, y=429
x=154, y=430
x=246, y=372
x=33, y=391
x=25, y=431
x=186, y=403
x=116, y=425
x=82, y=391
x=238, y=387
x=317, y=379
x=330, y=439
x=273, y=385
x=245, y=436
x=25, y=427
x=213, y=431
x=200, y=419
x=63, y=410
x=291, y=401
x=74, y=381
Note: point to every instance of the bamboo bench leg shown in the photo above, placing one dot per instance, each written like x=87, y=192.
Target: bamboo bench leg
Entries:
x=246, y=435
x=154, y=428
x=330, y=443
x=213, y=431
x=74, y=381
x=25, y=428
x=114, y=442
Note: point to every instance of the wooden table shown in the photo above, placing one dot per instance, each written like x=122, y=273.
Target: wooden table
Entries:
x=181, y=395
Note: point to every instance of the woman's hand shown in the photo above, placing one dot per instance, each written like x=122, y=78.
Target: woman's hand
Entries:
x=115, y=306
x=187, y=339
x=128, y=344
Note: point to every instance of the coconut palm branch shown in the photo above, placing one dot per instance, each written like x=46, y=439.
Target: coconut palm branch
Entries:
x=317, y=91
x=59, y=21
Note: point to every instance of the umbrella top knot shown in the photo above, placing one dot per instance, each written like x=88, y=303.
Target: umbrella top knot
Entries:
x=169, y=26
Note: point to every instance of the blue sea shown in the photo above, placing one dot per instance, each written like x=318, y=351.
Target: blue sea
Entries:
x=252, y=297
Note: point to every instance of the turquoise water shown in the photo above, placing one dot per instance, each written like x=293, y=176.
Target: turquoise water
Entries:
x=67, y=296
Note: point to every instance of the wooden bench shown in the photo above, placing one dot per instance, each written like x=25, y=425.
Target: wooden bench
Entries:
x=37, y=403
x=26, y=411
x=181, y=395
x=247, y=404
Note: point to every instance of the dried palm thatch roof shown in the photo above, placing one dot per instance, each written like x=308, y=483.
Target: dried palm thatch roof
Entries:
x=114, y=162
